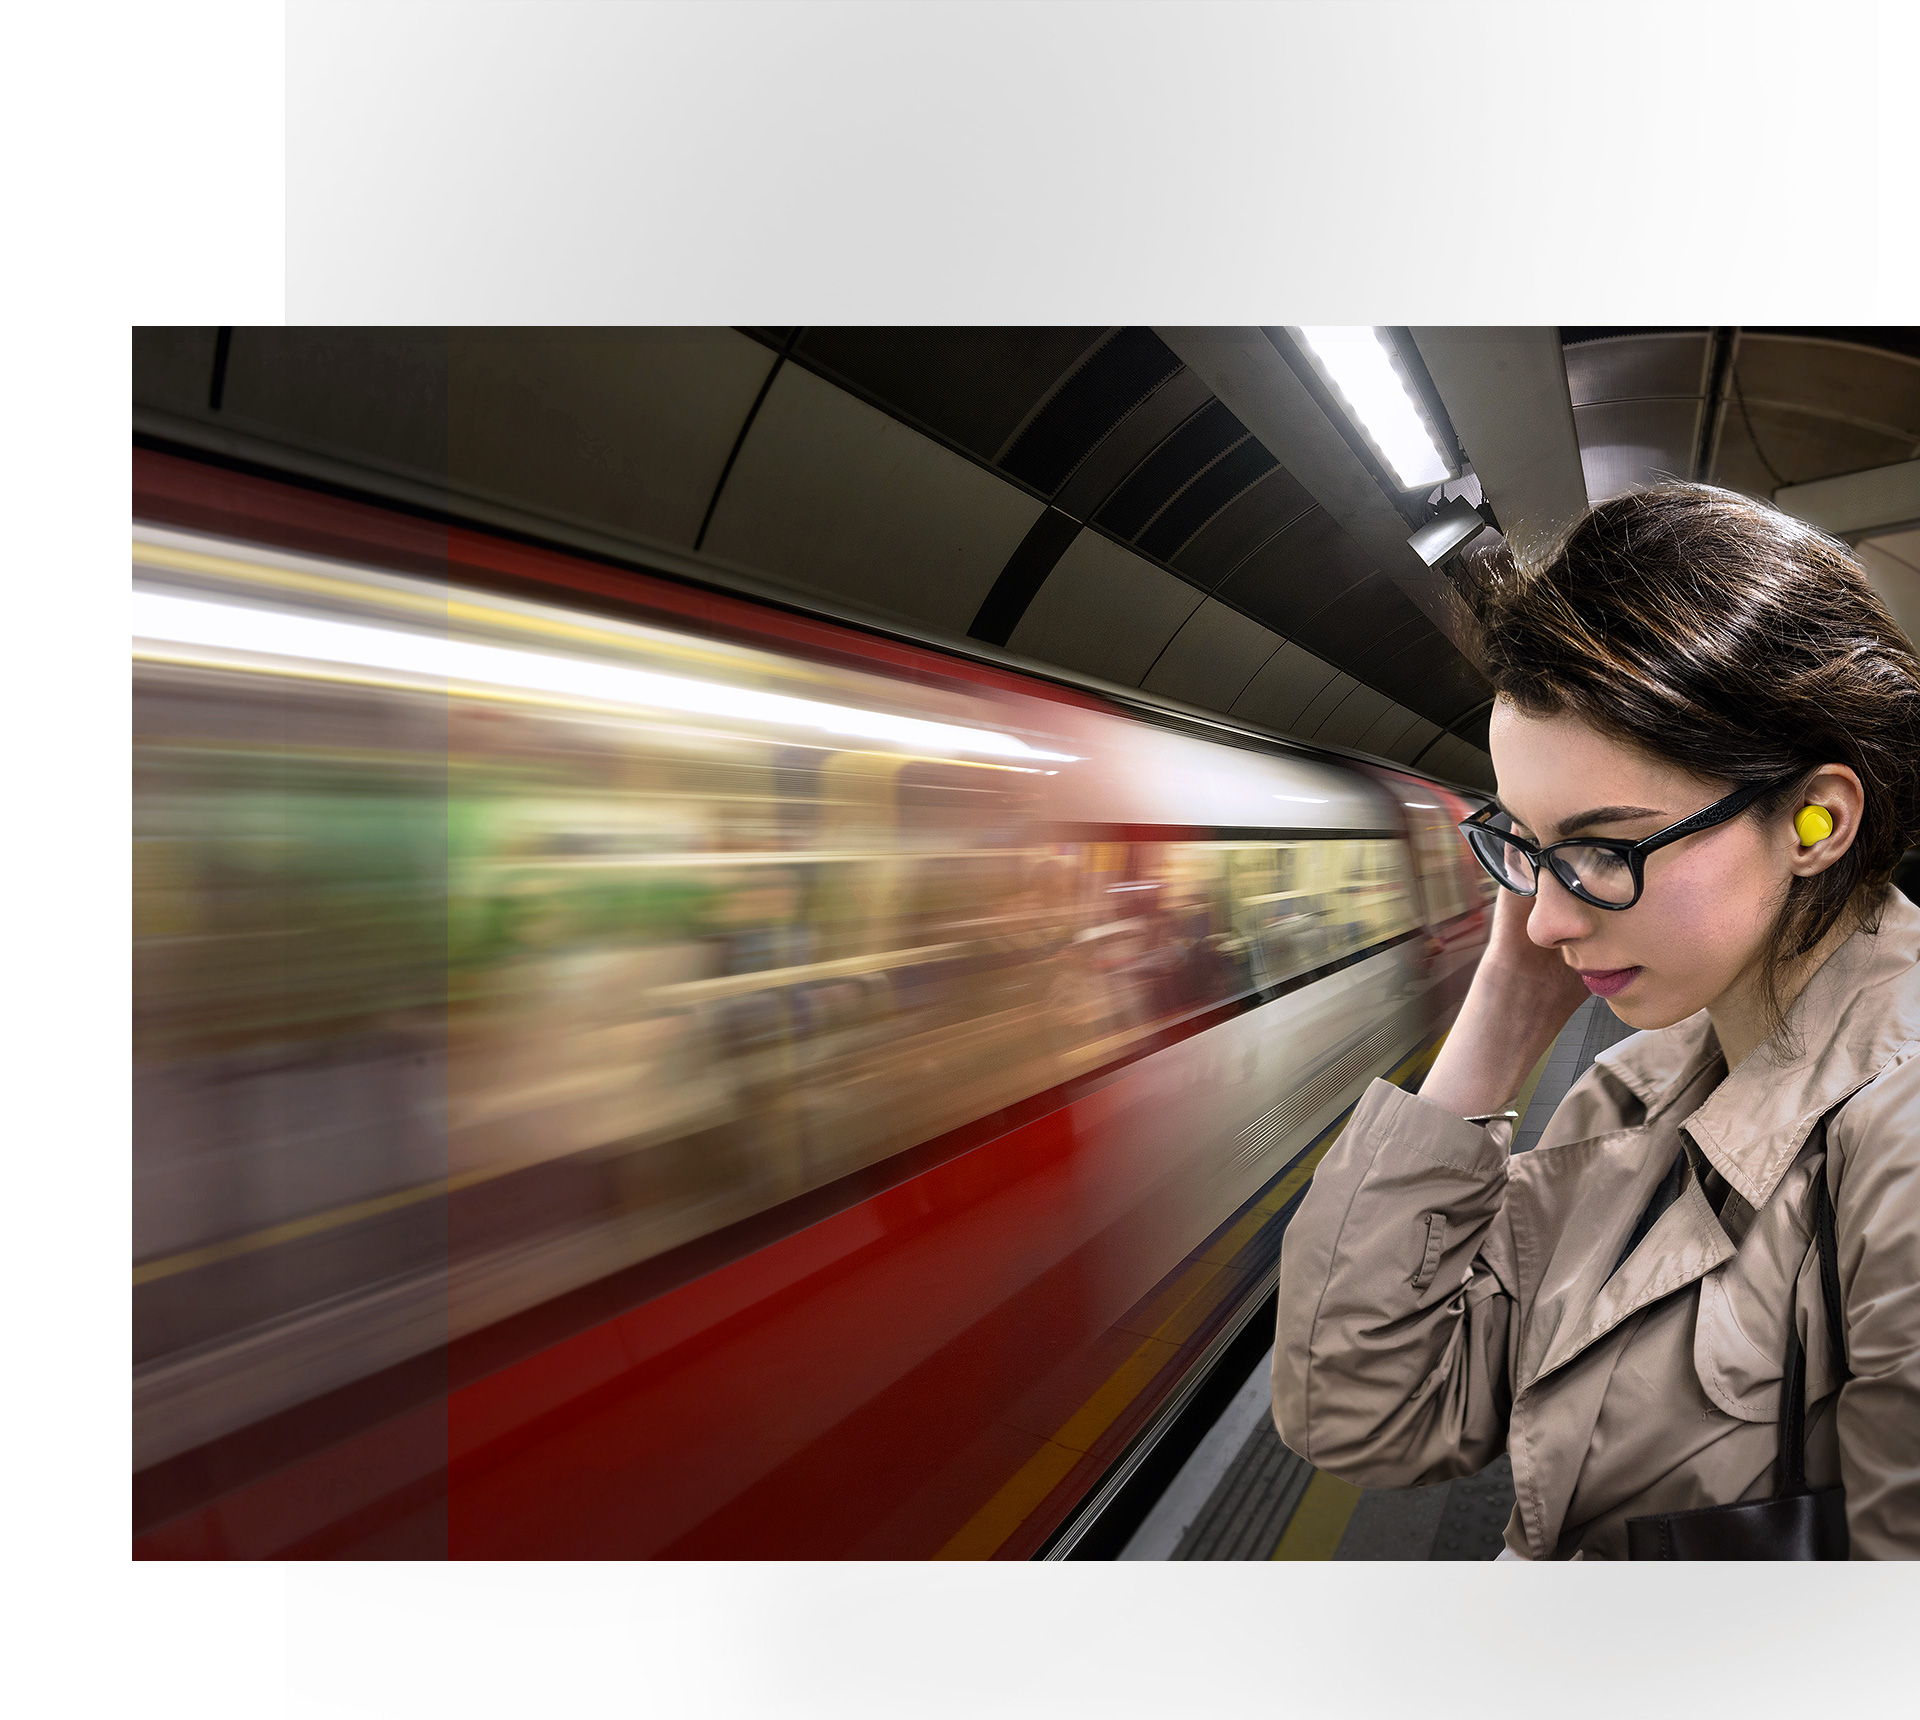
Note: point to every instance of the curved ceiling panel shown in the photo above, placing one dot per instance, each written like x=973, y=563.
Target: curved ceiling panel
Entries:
x=1412, y=742
x=834, y=495
x=628, y=428
x=1286, y=685
x=1324, y=703
x=973, y=386
x=1189, y=451
x=1877, y=391
x=377, y=395
x=1103, y=611
x=1638, y=367
x=1294, y=575
x=1069, y=424
x=1893, y=564
x=1773, y=407
x=1768, y=444
x=1254, y=517
x=1383, y=734
x=1352, y=717
x=1139, y=431
x=1627, y=444
x=1450, y=756
x=1212, y=658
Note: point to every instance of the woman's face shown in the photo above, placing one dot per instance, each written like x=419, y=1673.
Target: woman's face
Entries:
x=1697, y=933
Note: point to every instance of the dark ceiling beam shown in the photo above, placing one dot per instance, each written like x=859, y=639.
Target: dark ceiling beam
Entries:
x=1720, y=349
x=1506, y=391
x=1244, y=368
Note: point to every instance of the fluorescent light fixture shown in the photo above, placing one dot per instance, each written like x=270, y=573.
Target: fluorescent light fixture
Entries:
x=1451, y=527
x=229, y=627
x=1380, y=403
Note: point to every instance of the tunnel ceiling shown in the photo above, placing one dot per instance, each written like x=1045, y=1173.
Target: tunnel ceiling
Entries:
x=1750, y=409
x=1174, y=551
x=1078, y=496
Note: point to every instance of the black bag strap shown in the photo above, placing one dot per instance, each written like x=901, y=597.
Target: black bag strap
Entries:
x=1828, y=1237
x=1793, y=1384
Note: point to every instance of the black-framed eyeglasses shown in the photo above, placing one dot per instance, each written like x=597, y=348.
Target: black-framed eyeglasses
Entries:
x=1608, y=874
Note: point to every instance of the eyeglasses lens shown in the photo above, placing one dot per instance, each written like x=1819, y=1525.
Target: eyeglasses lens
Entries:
x=1603, y=874
x=1508, y=864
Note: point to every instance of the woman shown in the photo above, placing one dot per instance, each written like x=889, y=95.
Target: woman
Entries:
x=1614, y=1306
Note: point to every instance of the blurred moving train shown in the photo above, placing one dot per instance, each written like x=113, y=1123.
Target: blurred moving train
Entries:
x=627, y=1071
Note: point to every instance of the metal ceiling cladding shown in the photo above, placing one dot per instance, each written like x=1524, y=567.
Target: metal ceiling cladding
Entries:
x=1293, y=578
x=1212, y=658
x=1221, y=483
x=974, y=387
x=1255, y=517
x=1178, y=460
x=1787, y=407
x=1103, y=611
x=1105, y=387
x=1130, y=441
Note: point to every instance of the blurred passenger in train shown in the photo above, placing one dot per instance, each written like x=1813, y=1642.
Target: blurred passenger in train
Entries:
x=1692, y=1313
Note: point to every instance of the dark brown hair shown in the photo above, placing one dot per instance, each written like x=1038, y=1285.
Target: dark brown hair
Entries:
x=1723, y=636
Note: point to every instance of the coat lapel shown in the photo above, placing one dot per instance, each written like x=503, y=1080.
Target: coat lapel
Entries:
x=1573, y=1204
x=1573, y=1201
x=1685, y=1244
x=1841, y=1033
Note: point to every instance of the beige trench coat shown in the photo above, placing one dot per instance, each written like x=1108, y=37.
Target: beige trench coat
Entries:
x=1441, y=1301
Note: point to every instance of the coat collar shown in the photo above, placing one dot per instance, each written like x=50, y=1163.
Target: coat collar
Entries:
x=1857, y=1010
x=1851, y=1019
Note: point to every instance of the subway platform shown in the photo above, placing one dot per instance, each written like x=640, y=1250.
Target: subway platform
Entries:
x=1244, y=1495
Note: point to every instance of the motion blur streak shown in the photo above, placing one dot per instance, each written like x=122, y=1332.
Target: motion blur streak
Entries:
x=910, y=1025
x=186, y=621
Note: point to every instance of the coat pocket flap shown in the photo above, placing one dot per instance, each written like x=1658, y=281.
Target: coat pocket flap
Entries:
x=1740, y=1337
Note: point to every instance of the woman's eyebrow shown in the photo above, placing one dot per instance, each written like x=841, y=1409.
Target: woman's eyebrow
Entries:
x=1607, y=815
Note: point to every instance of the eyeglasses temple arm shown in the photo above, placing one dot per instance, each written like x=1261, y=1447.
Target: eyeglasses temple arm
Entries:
x=1718, y=813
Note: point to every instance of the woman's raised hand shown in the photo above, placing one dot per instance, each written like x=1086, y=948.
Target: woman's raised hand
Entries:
x=1522, y=995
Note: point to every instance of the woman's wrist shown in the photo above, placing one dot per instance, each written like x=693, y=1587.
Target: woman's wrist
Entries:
x=1508, y=1022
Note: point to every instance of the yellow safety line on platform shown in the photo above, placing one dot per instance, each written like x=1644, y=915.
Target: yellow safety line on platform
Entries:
x=1524, y=1097
x=987, y=1530
x=1320, y=1519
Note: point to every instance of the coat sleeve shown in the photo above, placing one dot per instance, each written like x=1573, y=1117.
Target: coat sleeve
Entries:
x=1397, y=1299
x=1875, y=1178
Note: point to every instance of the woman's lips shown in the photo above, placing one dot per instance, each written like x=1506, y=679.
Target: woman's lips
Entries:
x=1606, y=982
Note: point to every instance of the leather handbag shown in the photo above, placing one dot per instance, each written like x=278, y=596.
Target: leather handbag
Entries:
x=1798, y=1522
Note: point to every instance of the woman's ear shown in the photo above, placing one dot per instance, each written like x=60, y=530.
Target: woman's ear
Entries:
x=1836, y=790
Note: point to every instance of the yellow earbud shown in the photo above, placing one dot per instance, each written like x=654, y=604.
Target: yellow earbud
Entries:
x=1812, y=824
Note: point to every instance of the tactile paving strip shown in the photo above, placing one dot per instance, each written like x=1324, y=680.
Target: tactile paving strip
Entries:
x=1249, y=1510
x=1474, y=1523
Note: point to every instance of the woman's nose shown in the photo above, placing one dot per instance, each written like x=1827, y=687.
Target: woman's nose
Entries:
x=1558, y=916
